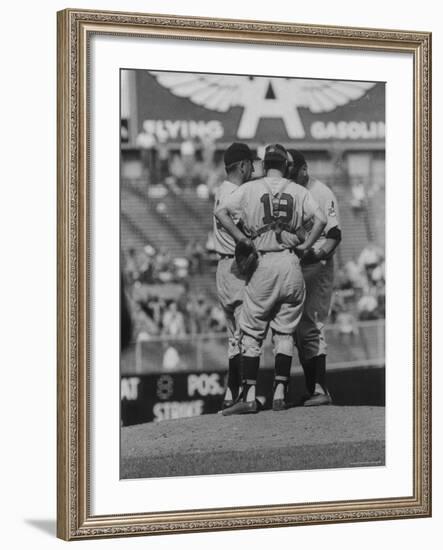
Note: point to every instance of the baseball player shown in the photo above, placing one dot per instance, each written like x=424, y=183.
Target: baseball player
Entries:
x=318, y=272
x=272, y=209
x=238, y=160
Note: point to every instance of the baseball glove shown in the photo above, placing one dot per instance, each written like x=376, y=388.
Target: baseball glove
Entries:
x=246, y=257
x=313, y=257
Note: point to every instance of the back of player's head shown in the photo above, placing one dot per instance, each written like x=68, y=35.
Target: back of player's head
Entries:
x=236, y=153
x=297, y=161
x=276, y=157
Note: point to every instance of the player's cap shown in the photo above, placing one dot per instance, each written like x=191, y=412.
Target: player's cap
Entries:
x=276, y=152
x=297, y=160
x=237, y=152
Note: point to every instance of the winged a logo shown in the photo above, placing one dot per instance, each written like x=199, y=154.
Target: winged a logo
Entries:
x=263, y=97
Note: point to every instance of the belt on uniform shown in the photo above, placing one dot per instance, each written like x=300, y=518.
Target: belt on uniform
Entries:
x=263, y=252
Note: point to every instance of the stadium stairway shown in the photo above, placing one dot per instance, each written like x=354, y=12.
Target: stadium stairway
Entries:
x=174, y=220
x=186, y=220
x=181, y=221
x=145, y=221
x=171, y=221
x=356, y=226
x=199, y=209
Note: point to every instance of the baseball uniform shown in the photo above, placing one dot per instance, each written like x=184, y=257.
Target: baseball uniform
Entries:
x=274, y=295
x=230, y=283
x=319, y=279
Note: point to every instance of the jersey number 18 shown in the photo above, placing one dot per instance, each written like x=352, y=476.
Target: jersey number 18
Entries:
x=283, y=211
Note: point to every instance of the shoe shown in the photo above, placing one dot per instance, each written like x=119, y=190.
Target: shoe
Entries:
x=241, y=407
x=225, y=405
x=279, y=405
x=318, y=399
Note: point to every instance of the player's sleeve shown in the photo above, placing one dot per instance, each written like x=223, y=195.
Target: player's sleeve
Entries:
x=330, y=209
x=310, y=207
x=234, y=202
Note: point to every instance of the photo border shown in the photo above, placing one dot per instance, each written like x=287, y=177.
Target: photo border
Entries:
x=75, y=29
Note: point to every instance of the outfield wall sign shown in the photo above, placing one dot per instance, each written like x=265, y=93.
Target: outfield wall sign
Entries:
x=179, y=106
x=167, y=396
x=156, y=397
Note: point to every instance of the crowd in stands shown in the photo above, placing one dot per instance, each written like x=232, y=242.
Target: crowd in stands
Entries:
x=195, y=164
x=359, y=287
x=359, y=292
x=179, y=311
x=150, y=266
x=175, y=317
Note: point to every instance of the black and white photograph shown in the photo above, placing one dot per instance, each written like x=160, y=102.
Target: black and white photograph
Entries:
x=220, y=219
x=252, y=258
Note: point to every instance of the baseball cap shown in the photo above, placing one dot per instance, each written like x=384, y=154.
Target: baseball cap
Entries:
x=298, y=160
x=237, y=152
x=276, y=152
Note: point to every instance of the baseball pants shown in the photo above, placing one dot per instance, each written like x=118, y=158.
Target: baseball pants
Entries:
x=309, y=334
x=230, y=286
x=273, y=297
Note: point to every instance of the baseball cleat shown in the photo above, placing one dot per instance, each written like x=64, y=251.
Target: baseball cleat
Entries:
x=318, y=399
x=241, y=407
x=279, y=405
x=226, y=404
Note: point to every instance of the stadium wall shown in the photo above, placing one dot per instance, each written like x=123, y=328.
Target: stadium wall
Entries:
x=168, y=396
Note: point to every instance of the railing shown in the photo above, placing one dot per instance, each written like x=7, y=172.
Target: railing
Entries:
x=365, y=347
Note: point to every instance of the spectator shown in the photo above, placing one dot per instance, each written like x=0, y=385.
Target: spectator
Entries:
x=147, y=144
x=217, y=321
x=171, y=359
x=198, y=312
x=342, y=280
x=367, y=306
x=181, y=267
x=378, y=273
x=161, y=208
x=173, y=322
x=355, y=274
x=347, y=327
x=337, y=305
x=187, y=151
x=177, y=169
x=381, y=299
x=194, y=252
x=199, y=254
x=155, y=308
x=163, y=265
x=370, y=257
x=171, y=183
x=144, y=326
x=207, y=151
x=358, y=194
x=131, y=270
x=146, y=267
x=202, y=191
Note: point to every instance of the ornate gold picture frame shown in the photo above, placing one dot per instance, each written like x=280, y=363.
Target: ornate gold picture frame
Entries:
x=75, y=517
